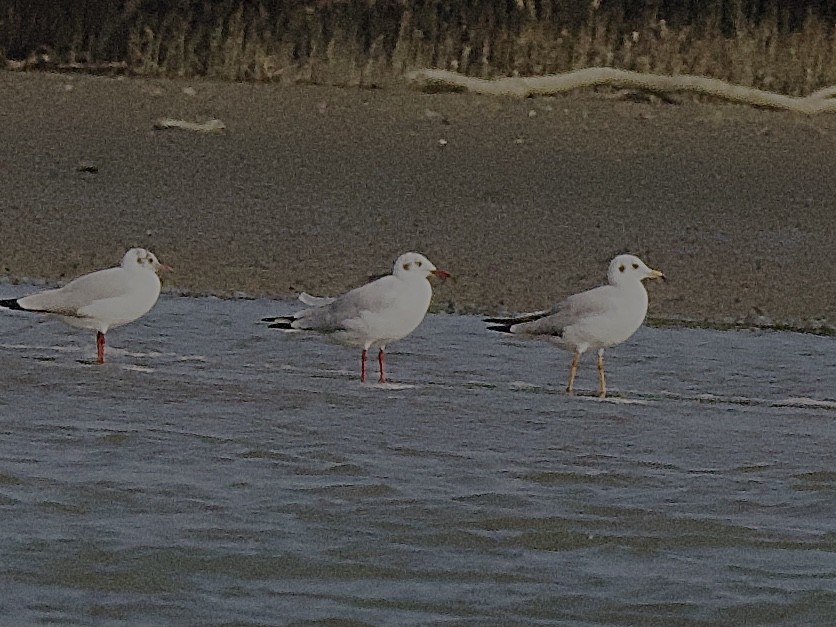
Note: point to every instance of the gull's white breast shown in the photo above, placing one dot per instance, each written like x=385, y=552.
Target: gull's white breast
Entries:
x=616, y=324
x=395, y=309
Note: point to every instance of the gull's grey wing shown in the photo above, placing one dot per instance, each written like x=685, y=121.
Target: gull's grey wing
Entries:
x=79, y=293
x=569, y=311
x=340, y=314
x=316, y=301
x=286, y=322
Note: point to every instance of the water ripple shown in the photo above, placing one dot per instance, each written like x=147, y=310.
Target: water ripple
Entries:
x=216, y=472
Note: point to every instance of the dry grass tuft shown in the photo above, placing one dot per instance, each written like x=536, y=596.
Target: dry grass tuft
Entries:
x=778, y=45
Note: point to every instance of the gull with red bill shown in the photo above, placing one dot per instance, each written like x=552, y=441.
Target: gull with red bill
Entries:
x=103, y=299
x=372, y=315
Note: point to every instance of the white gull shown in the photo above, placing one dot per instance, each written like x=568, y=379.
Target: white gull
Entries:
x=372, y=315
x=595, y=319
x=101, y=300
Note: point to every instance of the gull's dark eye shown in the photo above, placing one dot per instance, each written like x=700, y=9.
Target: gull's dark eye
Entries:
x=418, y=263
x=635, y=266
x=407, y=266
x=621, y=268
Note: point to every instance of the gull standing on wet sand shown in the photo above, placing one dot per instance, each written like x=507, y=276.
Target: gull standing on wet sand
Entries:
x=597, y=319
x=374, y=314
x=101, y=300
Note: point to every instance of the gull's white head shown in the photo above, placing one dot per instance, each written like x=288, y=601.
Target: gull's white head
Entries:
x=144, y=259
x=416, y=266
x=628, y=269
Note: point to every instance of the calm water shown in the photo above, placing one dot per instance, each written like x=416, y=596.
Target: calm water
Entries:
x=217, y=472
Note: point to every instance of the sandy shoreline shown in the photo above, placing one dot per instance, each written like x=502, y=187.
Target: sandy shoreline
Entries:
x=314, y=188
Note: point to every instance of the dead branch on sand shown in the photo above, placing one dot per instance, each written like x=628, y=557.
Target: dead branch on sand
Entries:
x=821, y=101
x=209, y=126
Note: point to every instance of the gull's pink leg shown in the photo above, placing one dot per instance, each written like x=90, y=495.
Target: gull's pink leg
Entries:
x=363, y=366
x=382, y=378
x=100, y=345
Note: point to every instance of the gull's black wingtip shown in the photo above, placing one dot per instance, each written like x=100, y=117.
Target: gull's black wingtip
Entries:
x=10, y=303
x=505, y=327
x=278, y=322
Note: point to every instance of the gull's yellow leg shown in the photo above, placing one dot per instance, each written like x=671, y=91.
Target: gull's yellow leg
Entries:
x=602, y=380
x=573, y=370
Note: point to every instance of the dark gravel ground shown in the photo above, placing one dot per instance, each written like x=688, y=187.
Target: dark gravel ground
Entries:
x=525, y=201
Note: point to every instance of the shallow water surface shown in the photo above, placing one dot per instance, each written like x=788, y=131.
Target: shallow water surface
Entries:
x=218, y=472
